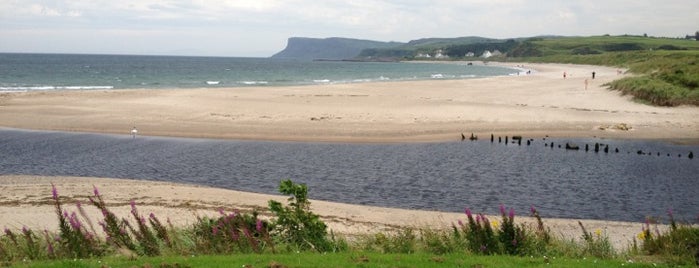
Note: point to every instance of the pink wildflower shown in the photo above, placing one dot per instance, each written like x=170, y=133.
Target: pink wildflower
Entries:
x=258, y=226
x=95, y=191
x=502, y=209
x=54, y=192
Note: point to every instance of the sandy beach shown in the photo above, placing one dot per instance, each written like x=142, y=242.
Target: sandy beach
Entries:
x=535, y=105
x=543, y=103
x=26, y=201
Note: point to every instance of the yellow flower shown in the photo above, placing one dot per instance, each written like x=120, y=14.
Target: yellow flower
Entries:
x=598, y=232
x=641, y=236
x=495, y=224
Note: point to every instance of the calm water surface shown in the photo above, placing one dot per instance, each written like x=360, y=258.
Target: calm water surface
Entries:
x=433, y=176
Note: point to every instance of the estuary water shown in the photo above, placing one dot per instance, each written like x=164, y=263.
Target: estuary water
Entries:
x=447, y=176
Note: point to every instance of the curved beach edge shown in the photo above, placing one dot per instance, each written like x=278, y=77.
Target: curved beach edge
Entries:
x=26, y=201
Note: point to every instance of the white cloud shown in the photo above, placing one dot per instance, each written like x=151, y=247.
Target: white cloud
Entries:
x=253, y=25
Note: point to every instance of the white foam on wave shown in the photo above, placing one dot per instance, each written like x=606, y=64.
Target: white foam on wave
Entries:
x=40, y=88
x=213, y=82
x=252, y=83
x=321, y=81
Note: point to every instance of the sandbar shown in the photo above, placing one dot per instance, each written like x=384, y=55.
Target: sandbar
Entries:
x=534, y=105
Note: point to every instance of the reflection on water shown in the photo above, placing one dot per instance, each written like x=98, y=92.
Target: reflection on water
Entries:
x=432, y=176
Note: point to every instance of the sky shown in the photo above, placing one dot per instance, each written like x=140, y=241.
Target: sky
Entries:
x=260, y=28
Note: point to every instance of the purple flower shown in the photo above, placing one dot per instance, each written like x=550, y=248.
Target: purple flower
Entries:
x=24, y=229
x=512, y=213
x=502, y=209
x=468, y=213
x=95, y=191
x=478, y=218
x=49, y=246
x=74, y=221
x=461, y=223
x=133, y=207
x=258, y=226
x=152, y=216
x=532, y=209
x=54, y=192
x=214, y=230
x=78, y=205
x=220, y=211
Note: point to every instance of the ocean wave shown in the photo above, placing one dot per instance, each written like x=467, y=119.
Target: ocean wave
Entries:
x=40, y=88
x=321, y=81
x=252, y=83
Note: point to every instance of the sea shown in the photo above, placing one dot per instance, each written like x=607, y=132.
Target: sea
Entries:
x=33, y=72
x=631, y=181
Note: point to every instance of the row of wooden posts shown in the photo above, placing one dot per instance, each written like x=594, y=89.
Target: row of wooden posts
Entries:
x=568, y=146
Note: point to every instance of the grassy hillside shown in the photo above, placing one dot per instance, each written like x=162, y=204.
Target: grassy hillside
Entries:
x=667, y=70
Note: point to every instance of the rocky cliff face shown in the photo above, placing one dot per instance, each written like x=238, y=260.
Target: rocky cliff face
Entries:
x=328, y=49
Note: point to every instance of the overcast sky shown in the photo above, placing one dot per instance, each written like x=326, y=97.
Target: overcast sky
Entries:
x=259, y=28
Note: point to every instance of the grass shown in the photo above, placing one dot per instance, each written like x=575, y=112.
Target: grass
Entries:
x=298, y=238
x=343, y=259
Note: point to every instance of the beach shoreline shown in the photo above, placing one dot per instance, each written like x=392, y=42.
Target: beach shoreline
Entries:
x=536, y=105
x=29, y=204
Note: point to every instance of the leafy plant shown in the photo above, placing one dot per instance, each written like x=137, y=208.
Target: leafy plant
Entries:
x=295, y=223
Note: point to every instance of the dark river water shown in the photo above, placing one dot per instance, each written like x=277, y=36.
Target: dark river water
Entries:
x=447, y=176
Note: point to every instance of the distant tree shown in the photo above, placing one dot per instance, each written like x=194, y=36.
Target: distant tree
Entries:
x=696, y=36
x=645, y=35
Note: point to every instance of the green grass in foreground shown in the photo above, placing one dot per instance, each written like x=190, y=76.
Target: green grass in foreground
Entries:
x=347, y=259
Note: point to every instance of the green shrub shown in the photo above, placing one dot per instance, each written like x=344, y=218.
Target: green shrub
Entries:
x=295, y=223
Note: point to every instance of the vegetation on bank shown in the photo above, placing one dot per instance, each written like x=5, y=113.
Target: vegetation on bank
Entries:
x=665, y=71
x=296, y=237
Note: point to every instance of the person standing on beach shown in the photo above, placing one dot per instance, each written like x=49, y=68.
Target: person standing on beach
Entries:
x=564, y=75
x=134, y=131
x=593, y=74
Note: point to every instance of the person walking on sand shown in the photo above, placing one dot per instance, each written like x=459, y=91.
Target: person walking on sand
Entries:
x=134, y=131
x=564, y=75
x=593, y=74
